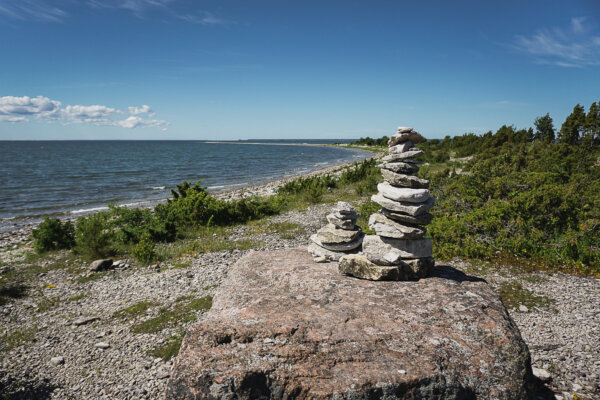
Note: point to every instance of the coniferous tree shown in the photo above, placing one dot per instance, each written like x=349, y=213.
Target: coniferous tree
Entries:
x=592, y=125
x=544, y=128
x=572, y=128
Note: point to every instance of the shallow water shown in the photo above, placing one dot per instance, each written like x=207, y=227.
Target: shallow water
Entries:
x=41, y=178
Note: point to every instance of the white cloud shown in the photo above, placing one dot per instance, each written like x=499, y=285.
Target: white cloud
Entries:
x=21, y=109
x=33, y=9
x=568, y=48
x=140, y=110
x=204, y=18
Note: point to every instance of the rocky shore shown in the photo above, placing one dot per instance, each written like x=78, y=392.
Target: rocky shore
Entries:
x=68, y=336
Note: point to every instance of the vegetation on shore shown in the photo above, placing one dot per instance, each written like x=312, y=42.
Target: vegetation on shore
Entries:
x=514, y=194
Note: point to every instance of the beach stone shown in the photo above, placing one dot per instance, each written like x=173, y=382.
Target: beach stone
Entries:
x=344, y=208
x=384, y=226
x=341, y=223
x=401, y=147
x=417, y=267
x=401, y=180
x=403, y=194
x=282, y=326
x=338, y=246
x=57, y=360
x=389, y=251
x=318, y=251
x=401, y=167
x=332, y=234
x=421, y=219
x=360, y=267
x=353, y=215
x=100, y=265
x=402, y=206
x=403, y=155
x=400, y=137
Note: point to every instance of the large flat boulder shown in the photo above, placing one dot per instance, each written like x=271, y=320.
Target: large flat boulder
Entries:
x=284, y=327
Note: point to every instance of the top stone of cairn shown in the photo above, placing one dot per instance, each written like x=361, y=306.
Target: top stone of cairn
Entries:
x=404, y=134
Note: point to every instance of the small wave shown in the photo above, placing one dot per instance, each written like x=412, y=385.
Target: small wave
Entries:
x=158, y=187
x=87, y=210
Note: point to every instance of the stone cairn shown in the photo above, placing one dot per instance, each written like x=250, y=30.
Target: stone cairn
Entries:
x=339, y=237
x=398, y=251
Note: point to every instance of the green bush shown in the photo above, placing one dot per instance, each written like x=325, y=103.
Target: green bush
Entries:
x=51, y=234
x=93, y=236
x=144, y=250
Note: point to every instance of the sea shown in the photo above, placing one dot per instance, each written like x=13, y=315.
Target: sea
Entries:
x=70, y=178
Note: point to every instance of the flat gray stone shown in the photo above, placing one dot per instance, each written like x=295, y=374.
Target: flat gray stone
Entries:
x=341, y=223
x=100, y=265
x=417, y=268
x=318, y=251
x=401, y=167
x=403, y=194
x=102, y=345
x=332, y=234
x=404, y=207
x=353, y=215
x=389, y=251
x=384, y=226
x=84, y=320
x=413, y=136
x=421, y=219
x=338, y=246
x=360, y=267
x=401, y=180
x=395, y=156
x=343, y=207
x=401, y=147
x=404, y=129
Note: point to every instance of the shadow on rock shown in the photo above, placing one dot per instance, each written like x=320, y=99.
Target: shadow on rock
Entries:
x=448, y=272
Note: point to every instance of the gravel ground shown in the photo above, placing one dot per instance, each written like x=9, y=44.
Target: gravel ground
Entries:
x=105, y=359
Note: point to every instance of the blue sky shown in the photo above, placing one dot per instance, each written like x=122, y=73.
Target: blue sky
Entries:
x=192, y=69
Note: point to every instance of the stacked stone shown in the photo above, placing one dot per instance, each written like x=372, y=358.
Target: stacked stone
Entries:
x=339, y=237
x=398, y=251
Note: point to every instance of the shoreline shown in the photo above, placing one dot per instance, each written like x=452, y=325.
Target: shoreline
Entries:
x=20, y=231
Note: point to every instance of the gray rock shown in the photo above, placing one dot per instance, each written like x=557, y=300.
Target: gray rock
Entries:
x=338, y=246
x=401, y=167
x=57, y=360
x=84, y=320
x=102, y=345
x=542, y=374
x=389, y=251
x=404, y=129
x=384, y=226
x=343, y=208
x=401, y=180
x=341, y=223
x=321, y=259
x=100, y=265
x=404, y=207
x=353, y=215
x=318, y=251
x=417, y=267
x=360, y=267
x=413, y=136
x=403, y=155
x=330, y=234
x=401, y=147
x=403, y=194
x=421, y=219
x=523, y=308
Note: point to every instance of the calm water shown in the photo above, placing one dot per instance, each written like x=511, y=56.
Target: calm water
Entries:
x=70, y=177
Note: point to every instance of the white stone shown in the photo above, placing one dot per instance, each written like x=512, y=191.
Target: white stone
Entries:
x=541, y=374
x=318, y=251
x=394, y=250
x=403, y=129
x=341, y=223
x=400, y=167
x=384, y=226
x=413, y=209
x=413, y=136
x=342, y=207
x=102, y=345
x=401, y=180
x=403, y=194
x=401, y=147
x=403, y=154
x=332, y=234
x=57, y=360
x=338, y=246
